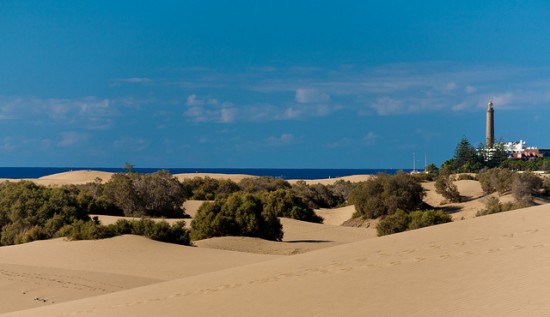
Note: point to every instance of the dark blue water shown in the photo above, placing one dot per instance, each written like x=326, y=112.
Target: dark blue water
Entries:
x=285, y=173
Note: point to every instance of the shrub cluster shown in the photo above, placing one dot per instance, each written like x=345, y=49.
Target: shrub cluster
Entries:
x=522, y=185
x=444, y=186
x=284, y=203
x=401, y=221
x=495, y=180
x=316, y=196
x=29, y=212
x=207, y=188
x=493, y=206
x=321, y=196
x=240, y=214
x=263, y=184
x=385, y=194
x=157, y=194
x=160, y=231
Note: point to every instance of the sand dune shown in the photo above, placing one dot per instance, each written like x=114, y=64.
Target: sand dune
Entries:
x=74, y=177
x=487, y=266
x=57, y=270
x=299, y=237
x=336, y=216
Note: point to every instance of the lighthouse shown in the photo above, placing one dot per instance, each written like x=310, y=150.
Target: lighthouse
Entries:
x=490, y=128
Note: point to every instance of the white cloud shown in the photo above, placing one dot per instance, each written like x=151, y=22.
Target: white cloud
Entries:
x=283, y=139
x=134, y=80
x=131, y=144
x=370, y=138
x=192, y=101
x=451, y=86
x=304, y=95
x=385, y=106
x=72, y=138
x=227, y=115
x=470, y=89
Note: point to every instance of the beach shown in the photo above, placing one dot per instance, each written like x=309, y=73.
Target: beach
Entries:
x=494, y=265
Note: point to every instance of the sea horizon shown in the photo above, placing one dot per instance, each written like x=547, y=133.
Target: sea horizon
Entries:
x=284, y=173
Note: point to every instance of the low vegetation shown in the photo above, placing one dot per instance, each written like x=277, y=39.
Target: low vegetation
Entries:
x=493, y=206
x=402, y=221
x=31, y=212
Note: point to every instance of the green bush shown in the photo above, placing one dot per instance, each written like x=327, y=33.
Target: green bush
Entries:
x=207, y=188
x=29, y=211
x=385, y=194
x=397, y=222
x=160, y=231
x=402, y=221
x=426, y=218
x=240, y=214
x=318, y=195
x=85, y=230
x=284, y=203
x=263, y=184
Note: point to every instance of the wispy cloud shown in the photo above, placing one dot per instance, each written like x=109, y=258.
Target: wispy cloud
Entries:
x=281, y=140
x=131, y=80
x=304, y=95
x=131, y=144
x=72, y=138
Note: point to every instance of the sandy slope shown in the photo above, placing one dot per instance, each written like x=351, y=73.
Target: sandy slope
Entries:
x=299, y=237
x=59, y=270
x=336, y=216
x=474, y=199
x=488, y=266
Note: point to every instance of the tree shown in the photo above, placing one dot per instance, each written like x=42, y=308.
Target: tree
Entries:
x=498, y=155
x=128, y=167
x=466, y=158
x=432, y=170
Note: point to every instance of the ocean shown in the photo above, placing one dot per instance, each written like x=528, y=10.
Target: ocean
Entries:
x=285, y=173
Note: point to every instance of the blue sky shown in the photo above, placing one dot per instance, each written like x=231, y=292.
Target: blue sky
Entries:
x=283, y=84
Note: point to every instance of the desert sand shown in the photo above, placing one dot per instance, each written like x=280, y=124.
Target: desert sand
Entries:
x=495, y=265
